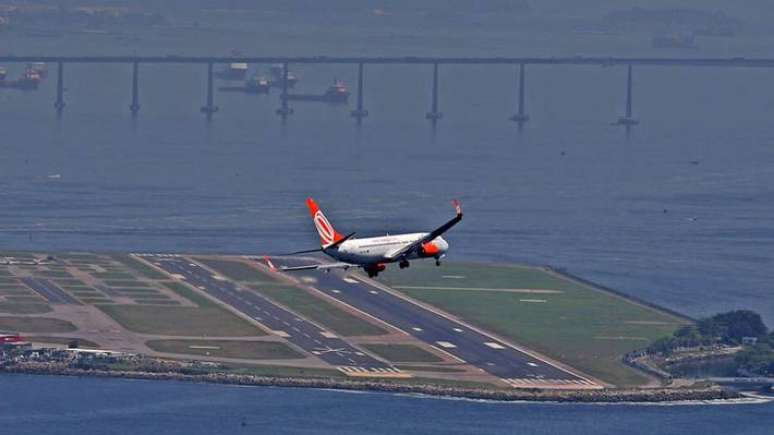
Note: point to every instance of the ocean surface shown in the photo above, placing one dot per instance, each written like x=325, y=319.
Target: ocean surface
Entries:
x=680, y=213
x=62, y=405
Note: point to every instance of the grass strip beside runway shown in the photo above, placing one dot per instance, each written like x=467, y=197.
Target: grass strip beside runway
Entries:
x=402, y=353
x=569, y=326
x=321, y=311
x=232, y=269
x=181, y=321
x=24, y=308
x=35, y=324
x=241, y=349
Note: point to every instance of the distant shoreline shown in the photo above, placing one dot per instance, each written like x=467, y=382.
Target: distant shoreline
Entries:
x=658, y=395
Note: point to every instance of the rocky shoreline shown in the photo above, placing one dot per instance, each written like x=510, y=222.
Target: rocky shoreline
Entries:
x=597, y=396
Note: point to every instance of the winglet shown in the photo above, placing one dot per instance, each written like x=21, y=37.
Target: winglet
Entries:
x=457, y=206
x=269, y=263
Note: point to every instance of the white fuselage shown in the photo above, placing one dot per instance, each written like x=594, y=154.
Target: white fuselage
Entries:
x=374, y=250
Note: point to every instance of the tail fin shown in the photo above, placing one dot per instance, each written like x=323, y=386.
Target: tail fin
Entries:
x=327, y=233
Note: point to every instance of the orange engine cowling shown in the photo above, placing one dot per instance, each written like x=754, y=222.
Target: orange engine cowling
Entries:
x=376, y=267
x=429, y=250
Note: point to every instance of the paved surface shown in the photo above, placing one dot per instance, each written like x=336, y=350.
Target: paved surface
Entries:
x=513, y=366
x=53, y=293
x=302, y=333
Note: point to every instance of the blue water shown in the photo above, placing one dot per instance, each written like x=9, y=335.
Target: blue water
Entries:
x=62, y=405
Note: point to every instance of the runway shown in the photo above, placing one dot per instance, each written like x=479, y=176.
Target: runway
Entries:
x=298, y=331
x=476, y=347
x=49, y=290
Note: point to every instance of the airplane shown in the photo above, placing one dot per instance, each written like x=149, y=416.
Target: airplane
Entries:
x=372, y=253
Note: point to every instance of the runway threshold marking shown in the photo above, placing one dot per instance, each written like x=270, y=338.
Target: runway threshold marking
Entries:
x=366, y=372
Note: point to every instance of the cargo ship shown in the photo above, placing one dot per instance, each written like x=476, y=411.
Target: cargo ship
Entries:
x=39, y=67
x=336, y=94
x=28, y=81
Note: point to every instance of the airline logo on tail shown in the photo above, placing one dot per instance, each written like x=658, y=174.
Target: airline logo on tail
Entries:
x=326, y=231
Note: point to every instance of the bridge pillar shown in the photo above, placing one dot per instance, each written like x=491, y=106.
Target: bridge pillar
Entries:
x=628, y=120
x=135, y=106
x=210, y=108
x=284, y=110
x=59, y=104
x=521, y=116
x=359, y=113
x=434, y=115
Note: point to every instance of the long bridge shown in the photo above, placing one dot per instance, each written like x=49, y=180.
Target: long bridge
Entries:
x=434, y=114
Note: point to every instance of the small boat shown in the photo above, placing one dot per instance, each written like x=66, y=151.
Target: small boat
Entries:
x=277, y=74
x=335, y=94
x=258, y=85
x=233, y=71
x=3, y=73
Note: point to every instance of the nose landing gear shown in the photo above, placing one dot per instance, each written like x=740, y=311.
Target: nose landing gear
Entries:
x=437, y=261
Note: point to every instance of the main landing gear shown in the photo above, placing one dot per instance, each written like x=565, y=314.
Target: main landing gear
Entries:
x=437, y=261
x=404, y=264
x=374, y=269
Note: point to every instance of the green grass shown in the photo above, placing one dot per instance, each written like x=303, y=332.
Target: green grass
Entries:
x=183, y=321
x=226, y=348
x=321, y=311
x=95, y=300
x=32, y=299
x=24, y=308
x=80, y=288
x=279, y=371
x=437, y=369
x=139, y=266
x=407, y=353
x=35, y=324
x=15, y=292
x=156, y=302
x=118, y=283
x=114, y=276
x=192, y=295
x=232, y=269
x=55, y=274
x=64, y=283
x=136, y=291
x=583, y=327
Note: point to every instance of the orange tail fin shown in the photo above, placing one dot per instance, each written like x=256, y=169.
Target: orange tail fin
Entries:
x=326, y=231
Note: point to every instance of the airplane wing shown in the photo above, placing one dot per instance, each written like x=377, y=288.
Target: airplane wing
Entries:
x=408, y=249
x=327, y=266
x=323, y=248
